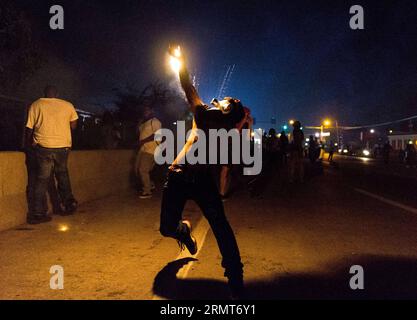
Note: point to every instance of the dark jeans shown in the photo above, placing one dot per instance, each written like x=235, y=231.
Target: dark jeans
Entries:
x=49, y=161
x=32, y=173
x=198, y=185
x=330, y=156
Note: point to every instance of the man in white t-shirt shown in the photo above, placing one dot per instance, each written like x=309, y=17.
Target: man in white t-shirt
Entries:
x=145, y=159
x=48, y=132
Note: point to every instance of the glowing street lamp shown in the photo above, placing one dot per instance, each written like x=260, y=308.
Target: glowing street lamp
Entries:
x=372, y=131
x=327, y=123
x=291, y=122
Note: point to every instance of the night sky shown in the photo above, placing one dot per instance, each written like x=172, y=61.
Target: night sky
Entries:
x=294, y=59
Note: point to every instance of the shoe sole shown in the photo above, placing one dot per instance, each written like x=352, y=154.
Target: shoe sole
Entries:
x=36, y=222
x=66, y=214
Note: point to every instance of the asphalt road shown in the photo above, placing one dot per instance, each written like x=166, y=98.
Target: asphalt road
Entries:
x=296, y=241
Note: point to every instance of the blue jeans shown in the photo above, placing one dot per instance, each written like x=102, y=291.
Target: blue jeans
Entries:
x=198, y=185
x=48, y=161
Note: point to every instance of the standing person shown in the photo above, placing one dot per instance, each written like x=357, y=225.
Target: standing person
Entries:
x=48, y=131
x=145, y=159
x=410, y=153
x=32, y=171
x=386, y=150
x=312, y=149
x=283, y=138
x=195, y=181
x=110, y=134
x=331, y=152
x=225, y=171
x=296, y=156
x=273, y=148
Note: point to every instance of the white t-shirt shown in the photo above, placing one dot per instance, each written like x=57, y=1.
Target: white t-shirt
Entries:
x=147, y=129
x=50, y=120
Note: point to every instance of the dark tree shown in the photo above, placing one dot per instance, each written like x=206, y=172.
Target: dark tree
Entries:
x=19, y=56
x=168, y=105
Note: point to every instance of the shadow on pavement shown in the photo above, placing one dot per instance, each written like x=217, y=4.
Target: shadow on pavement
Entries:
x=385, y=278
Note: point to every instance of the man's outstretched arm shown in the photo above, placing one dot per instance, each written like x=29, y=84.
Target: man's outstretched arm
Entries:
x=186, y=148
x=190, y=91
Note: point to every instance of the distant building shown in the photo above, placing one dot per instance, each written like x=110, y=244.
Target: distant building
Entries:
x=399, y=141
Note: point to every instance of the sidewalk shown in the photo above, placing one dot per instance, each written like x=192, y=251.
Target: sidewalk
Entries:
x=111, y=249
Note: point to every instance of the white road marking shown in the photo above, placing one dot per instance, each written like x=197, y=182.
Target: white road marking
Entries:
x=200, y=233
x=388, y=201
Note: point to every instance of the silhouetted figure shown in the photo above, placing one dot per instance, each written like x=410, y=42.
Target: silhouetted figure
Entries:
x=110, y=133
x=284, y=142
x=145, y=161
x=376, y=151
x=272, y=148
x=313, y=150
x=296, y=154
x=331, y=152
x=410, y=155
x=401, y=155
x=226, y=170
x=386, y=150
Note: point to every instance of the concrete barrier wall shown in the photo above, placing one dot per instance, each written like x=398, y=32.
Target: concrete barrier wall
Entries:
x=94, y=174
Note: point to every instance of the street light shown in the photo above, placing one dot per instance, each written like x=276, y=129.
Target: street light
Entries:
x=291, y=122
x=327, y=123
x=372, y=131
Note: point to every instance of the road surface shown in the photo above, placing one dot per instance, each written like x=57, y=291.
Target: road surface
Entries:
x=296, y=241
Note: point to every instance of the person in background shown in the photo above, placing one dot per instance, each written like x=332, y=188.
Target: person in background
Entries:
x=331, y=152
x=386, y=150
x=225, y=171
x=410, y=155
x=48, y=132
x=110, y=134
x=145, y=159
x=283, y=138
x=296, y=156
x=401, y=155
x=313, y=147
x=273, y=148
